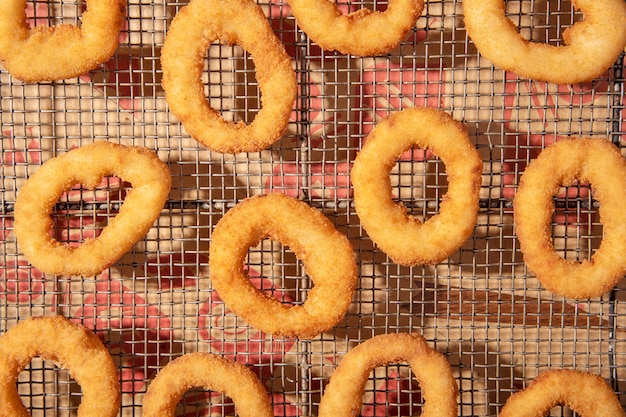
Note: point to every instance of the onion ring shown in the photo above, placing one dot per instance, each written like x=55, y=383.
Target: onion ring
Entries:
x=327, y=254
x=591, y=46
x=361, y=33
x=343, y=395
x=405, y=239
x=587, y=394
x=87, y=165
x=596, y=161
x=210, y=372
x=240, y=22
x=54, y=53
x=72, y=347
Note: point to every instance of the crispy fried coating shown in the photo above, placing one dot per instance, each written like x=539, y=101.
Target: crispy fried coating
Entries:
x=45, y=53
x=596, y=161
x=587, y=394
x=72, y=347
x=327, y=255
x=343, y=396
x=88, y=165
x=210, y=372
x=361, y=33
x=591, y=46
x=240, y=22
x=406, y=239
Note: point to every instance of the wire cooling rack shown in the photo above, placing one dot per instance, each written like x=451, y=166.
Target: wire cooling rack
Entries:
x=481, y=307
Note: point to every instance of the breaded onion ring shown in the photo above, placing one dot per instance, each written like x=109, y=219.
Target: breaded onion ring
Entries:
x=54, y=53
x=343, y=395
x=70, y=346
x=210, y=372
x=240, y=22
x=327, y=254
x=87, y=165
x=404, y=238
x=591, y=46
x=586, y=394
x=362, y=33
x=596, y=161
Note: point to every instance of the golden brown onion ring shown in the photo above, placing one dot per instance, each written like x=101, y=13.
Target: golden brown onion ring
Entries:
x=240, y=22
x=362, y=33
x=209, y=372
x=88, y=165
x=600, y=163
x=54, y=53
x=327, y=255
x=70, y=346
x=586, y=394
x=591, y=46
x=343, y=395
x=404, y=238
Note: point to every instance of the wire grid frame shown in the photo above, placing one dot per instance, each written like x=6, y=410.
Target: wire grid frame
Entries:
x=482, y=308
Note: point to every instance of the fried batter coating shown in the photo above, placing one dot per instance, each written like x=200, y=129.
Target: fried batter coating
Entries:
x=88, y=165
x=587, y=394
x=406, y=239
x=72, y=347
x=240, y=22
x=210, y=372
x=591, y=46
x=362, y=33
x=343, y=396
x=59, y=52
x=596, y=161
x=327, y=255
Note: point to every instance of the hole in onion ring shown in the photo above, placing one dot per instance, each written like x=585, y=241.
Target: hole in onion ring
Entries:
x=53, y=12
x=44, y=387
x=576, y=229
x=246, y=25
x=82, y=213
x=277, y=270
x=199, y=402
x=347, y=7
x=311, y=236
x=392, y=391
x=230, y=83
x=422, y=190
x=544, y=21
x=352, y=378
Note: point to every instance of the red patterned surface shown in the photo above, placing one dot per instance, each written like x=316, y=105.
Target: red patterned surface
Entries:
x=145, y=333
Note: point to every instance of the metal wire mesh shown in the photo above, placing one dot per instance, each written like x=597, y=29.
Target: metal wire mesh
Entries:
x=481, y=308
